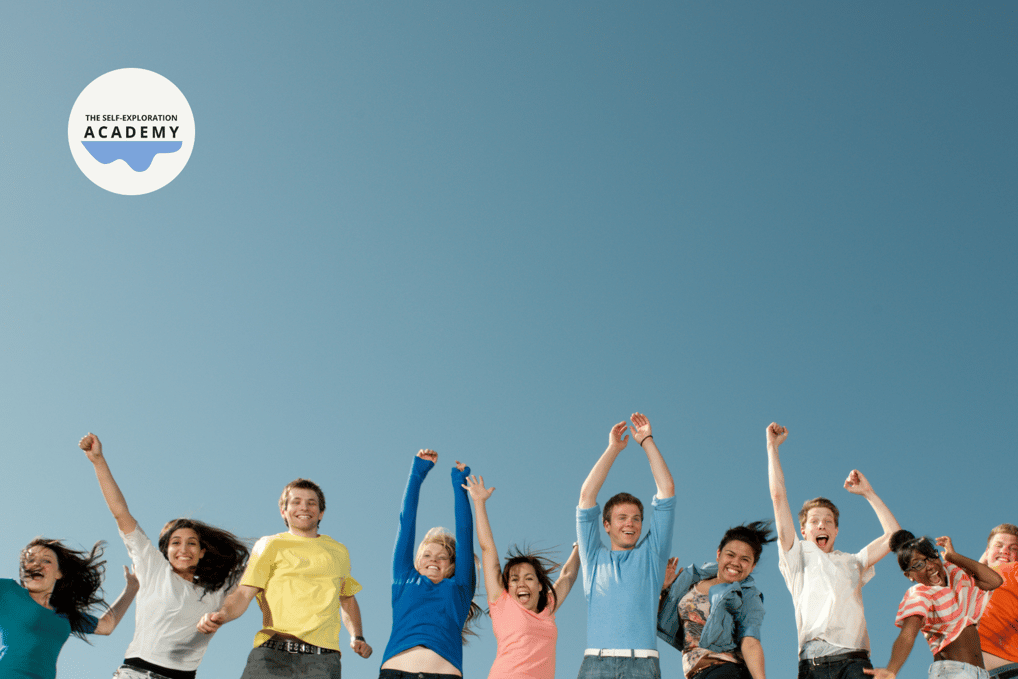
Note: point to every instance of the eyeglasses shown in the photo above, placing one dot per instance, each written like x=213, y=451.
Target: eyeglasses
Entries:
x=920, y=564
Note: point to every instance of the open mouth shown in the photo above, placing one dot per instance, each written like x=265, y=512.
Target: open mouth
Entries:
x=523, y=596
x=822, y=540
x=33, y=574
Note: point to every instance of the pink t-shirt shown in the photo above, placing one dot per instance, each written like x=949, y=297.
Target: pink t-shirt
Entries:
x=526, y=640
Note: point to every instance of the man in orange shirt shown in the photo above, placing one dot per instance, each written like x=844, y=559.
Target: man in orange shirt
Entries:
x=998, y=628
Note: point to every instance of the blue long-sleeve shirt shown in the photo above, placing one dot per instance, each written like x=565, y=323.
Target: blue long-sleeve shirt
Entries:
x=425, y=613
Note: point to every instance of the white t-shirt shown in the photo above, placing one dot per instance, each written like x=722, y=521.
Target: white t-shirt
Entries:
x=827, y=593
x=167, y=609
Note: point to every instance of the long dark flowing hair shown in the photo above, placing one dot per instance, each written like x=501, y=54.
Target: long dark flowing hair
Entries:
x=225, y=555
x=80, y=588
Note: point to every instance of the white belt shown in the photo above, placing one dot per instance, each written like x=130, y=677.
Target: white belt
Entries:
x=621, y=652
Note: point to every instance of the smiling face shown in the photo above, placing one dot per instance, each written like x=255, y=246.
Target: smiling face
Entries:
x=625, y=526
x=820, y=528
x=184, y=551
x=302, y=512
x=524, y=586
x=926, y=570
x=40, y=570
x=434, y=562
x=735, y=561
x=1003, y=548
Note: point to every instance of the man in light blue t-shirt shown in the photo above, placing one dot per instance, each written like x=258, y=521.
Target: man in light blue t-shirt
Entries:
x=623, y=584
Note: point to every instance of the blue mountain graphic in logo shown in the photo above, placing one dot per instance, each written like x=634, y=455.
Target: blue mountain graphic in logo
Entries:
x=137, y=154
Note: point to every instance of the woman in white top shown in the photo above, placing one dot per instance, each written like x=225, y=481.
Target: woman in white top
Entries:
x=190, y=573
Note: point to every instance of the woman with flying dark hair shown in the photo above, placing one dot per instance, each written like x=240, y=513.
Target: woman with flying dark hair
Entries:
x=521, y=599
x=195, y=566
x=713, y=613
x=945, y=604
x=57, y=589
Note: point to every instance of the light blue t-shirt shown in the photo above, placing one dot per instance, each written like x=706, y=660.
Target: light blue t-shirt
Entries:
x=623, y=587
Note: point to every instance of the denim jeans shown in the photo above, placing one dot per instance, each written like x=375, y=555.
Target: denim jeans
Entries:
x=954, y=669
x=269, y=663
x=595, y=667
x=725, y=670
x=845, y=669
x=1005, y=672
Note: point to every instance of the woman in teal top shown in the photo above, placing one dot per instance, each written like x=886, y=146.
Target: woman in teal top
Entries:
x=57, y=588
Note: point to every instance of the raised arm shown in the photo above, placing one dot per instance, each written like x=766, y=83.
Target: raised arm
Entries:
x=857, y=484
x=662, y=477
x=464, y=528
x=118, y=610
x=567, y=576
x=985, y=577
x=403, y=554
x=111, y=491
x=490, y=565
x=350, y=611
x=783, y=520
x=233, y=607
x=595, y=479
x=910, y=627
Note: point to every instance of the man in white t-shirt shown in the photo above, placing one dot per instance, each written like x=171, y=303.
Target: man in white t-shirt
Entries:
x=826, y=584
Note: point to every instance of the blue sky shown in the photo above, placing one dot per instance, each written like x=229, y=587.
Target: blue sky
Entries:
x=495, y=231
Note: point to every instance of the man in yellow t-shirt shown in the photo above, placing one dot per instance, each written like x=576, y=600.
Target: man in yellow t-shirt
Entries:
x=303, y=585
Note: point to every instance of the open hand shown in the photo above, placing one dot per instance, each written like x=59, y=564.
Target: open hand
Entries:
x=640, y=428
x=615, y=439
x=945, y=543
x=132, y=580
x=671, y=572
x=475, y=487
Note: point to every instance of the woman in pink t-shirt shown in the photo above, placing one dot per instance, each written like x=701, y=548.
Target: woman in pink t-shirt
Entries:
x=522, y=599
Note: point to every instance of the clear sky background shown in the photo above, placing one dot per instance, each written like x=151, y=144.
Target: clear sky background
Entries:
x=495, y=230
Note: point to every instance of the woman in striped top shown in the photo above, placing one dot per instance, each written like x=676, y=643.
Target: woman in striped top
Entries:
x=945, y=604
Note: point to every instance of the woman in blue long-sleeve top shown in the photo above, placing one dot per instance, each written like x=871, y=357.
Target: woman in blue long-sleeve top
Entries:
x=713, y=613
x=432, y=593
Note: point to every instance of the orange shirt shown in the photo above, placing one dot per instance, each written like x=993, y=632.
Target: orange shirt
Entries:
x=998, y=628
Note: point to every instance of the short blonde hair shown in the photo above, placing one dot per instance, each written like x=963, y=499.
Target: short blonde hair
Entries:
x=1007, y=528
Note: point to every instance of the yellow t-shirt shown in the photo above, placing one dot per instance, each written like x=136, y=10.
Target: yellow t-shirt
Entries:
x=301, y=581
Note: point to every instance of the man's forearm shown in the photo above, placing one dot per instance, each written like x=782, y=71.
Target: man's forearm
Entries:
x=351, y=613
x=596, y=478
x=659, y=468
x=779, y=497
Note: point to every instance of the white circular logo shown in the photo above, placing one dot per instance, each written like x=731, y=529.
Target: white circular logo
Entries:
x=131, y=131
